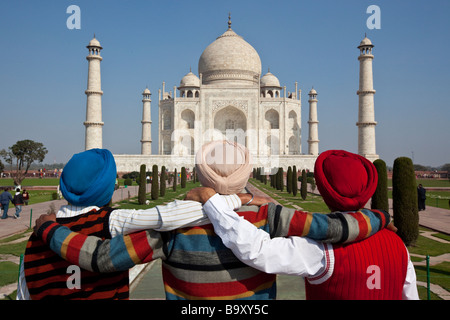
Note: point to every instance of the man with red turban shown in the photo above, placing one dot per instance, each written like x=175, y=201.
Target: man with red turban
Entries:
x=378, y=267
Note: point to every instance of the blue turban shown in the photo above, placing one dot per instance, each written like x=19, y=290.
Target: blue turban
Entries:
x=89, y=177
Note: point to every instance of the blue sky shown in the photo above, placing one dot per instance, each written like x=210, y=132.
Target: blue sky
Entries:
x=44, y=71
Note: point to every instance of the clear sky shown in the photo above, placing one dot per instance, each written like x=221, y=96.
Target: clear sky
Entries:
x=43, y=72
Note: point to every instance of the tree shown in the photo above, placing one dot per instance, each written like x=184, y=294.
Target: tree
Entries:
x=294, y=181
x=380, y=196
x=22, y=154
x=304, y=185
x=142, y=185
x=175, y=178
x=183, y=177
x=404, y=196
x=155, y=186
x=289, y=180
x=162, y=184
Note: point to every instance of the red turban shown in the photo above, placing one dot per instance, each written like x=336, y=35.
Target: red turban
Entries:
x=345, y=180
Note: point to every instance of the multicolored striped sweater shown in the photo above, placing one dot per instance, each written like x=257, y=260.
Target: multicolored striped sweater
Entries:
x=196, y=264
x=47, y=274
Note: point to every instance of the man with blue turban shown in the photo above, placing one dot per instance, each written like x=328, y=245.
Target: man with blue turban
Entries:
x=87, y=183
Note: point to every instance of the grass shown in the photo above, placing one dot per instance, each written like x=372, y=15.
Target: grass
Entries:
x=312, y=203
x=169, y=196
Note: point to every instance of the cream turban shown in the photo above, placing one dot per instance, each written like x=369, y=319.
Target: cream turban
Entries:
x=223, y=166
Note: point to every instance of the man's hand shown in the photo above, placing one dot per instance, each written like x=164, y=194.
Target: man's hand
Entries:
x=42, y=219
x=257, y=200
x=392, y=227
x=200, y=194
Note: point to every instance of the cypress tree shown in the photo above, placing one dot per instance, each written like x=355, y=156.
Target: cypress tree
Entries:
x=175, y=178
x=281, y=179
x=142, y=185
x=162, y=183
x=304, y=185
x=183, y=177
x=193, y=175
x=289, y=180
x=380, y=196
x=155, y=184
x=404, y=196
x=294, y=181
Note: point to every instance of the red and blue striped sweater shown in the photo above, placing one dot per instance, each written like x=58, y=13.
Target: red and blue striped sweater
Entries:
x=196, y=264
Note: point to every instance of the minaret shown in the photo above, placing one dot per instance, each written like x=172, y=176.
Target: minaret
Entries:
x=313, y=139
x=146, y=141
x=366, y=113
x=93, y=123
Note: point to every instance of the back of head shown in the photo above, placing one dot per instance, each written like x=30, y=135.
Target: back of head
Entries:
x=88, y=178
x=345, y=180
x=224, y=166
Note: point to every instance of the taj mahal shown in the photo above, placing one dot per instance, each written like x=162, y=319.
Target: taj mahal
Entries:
x=230, y=99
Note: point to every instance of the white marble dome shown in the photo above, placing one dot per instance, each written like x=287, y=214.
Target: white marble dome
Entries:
x=229, y=58
x=269, y=80
x=190, y=80
x=365, y=42
x=94, y=43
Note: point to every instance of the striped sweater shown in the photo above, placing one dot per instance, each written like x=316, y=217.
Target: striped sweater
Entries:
x=47, y=275
x=196, y=264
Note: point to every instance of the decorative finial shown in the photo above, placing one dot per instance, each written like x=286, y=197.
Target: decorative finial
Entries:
x=365, y=34
x=94, y=35
x=229, y=20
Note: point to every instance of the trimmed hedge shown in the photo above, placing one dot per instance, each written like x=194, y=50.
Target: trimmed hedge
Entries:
x=404, y=196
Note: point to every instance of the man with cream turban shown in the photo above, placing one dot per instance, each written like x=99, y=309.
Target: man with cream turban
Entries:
x=378, y=267
x=195, y=262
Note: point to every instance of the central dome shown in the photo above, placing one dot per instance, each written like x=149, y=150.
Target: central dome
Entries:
x=230, y=58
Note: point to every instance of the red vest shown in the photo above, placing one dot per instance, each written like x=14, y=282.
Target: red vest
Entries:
x=372, y=269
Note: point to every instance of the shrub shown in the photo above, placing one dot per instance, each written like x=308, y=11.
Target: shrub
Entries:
x=162, y=184
x=304, y=185
x=294, y=180
x=142, y=185
x=128, y=182
x=183, y=177
x=404, y=196
x=289, y=180
x=380, y=196
x=155, y=184
x=175, y=178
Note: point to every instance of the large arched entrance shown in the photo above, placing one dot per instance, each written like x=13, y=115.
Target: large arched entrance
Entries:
x=232, y=123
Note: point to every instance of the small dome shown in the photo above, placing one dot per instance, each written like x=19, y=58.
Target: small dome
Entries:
x=146, y=91
x=94, y=43
x=269, y=80
x=312, y=92
x=366, y=42
x=190, y=80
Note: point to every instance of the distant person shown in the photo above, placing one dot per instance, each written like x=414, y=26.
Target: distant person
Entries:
x=5, y=198
x=25, y=196
x=18, y=203
x=421, y=197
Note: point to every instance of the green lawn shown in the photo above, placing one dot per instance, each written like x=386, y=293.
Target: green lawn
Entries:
x=312, y=203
